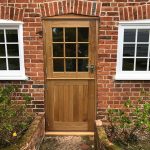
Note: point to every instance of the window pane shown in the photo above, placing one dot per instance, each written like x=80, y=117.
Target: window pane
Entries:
x=128, y=64
x=13, y=64
x=143, y=35
x=128, y=50
x=12, y=35
x=142, y=50
x=12, y=50
x=58, y=50
x=141, y=64
x=83, y=50
x=1, y=35
x=129, y=35
x=71, y=65
x=2, y=50
x=82, y=65
x=70, y=50
x=57, y=34
x=70, y=34
x=2, y=63
x=83, y=34
x=58, y=65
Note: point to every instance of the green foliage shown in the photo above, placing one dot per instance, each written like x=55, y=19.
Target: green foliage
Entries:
x=14, y=118
x=133, y=117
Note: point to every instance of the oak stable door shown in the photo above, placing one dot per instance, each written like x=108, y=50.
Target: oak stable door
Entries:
x=70, y=50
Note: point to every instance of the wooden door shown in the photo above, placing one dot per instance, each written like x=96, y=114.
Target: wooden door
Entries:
x=70, y=74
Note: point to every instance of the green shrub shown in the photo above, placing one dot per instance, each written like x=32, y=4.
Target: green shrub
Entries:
x=133, y=117
x=14, y=118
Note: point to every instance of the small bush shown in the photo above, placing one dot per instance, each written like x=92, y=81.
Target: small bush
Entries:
x=132, y=118
x=14, y=118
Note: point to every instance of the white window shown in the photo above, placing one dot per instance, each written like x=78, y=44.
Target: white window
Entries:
x=11, y=50
x=133, y=57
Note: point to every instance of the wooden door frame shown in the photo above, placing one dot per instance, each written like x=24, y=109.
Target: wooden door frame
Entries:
x=68, y=17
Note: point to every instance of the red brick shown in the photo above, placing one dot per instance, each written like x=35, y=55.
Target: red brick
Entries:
x=135, y=13
x=121, y=11
x=89, y=8
x=130, y=13
x=148, y=11
x=140, y=14
x=80, y=5
x=144, y=12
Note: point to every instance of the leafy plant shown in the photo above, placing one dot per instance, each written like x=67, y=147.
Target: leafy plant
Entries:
x=14, y=118
x=134, y=116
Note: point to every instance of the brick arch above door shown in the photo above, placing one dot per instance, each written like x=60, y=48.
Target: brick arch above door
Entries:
x=82, y=7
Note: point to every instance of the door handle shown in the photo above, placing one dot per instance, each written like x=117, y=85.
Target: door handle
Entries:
x=91, y=68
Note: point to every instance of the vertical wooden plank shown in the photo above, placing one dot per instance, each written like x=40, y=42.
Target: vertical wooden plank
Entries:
x=81, y=102
x=56, y=103
x=70, y=112
x=50, y=103
x=85, y=103
x=91, y=104
x=75, y=103
x=66, y=105
x=61, y=103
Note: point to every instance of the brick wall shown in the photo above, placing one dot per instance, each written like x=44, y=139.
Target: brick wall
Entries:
x=110, y=92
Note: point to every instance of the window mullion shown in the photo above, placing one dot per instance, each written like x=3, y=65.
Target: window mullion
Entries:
x=148, y=53
x=6, y=50
x=135, y=49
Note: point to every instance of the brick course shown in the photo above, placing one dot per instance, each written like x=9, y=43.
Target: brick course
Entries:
x=31, y=12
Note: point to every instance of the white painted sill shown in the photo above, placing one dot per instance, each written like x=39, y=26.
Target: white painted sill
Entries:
x=138, y=76
x=14, y=78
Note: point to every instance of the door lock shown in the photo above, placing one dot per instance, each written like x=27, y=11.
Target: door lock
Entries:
x=91, y=68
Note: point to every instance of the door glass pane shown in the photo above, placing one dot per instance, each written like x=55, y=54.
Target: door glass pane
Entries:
x=71, y=65
x=2, y=63
x=83, y=34
x=12, y=50
x=83, y=50
x=1, y=35
x=129, y=35
x=142, y=50
x=70, y=50
x=57, y=34
x=70, y=34
x=12, y=35
x=13, y=64
x=128, y=64
x=143, y=35
x=128, y=50
x=141, y=64
x=58, y=50
x=82, y=65
x=2, y=50
x=58, y=65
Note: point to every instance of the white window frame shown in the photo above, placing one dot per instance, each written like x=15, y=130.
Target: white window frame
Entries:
x=14, y=74
x=130, y=75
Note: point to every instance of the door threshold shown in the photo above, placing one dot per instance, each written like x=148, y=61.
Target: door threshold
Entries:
x=69, y=133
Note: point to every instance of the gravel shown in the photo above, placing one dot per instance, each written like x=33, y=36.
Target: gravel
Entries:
x=68, y=143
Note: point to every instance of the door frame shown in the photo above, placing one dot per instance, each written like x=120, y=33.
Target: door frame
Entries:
x=68, y=17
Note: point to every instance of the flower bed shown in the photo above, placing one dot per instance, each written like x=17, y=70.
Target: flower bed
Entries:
x=31, y=140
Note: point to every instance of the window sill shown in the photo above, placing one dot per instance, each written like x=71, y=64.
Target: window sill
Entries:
x=14, y=78
x=134, y=76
